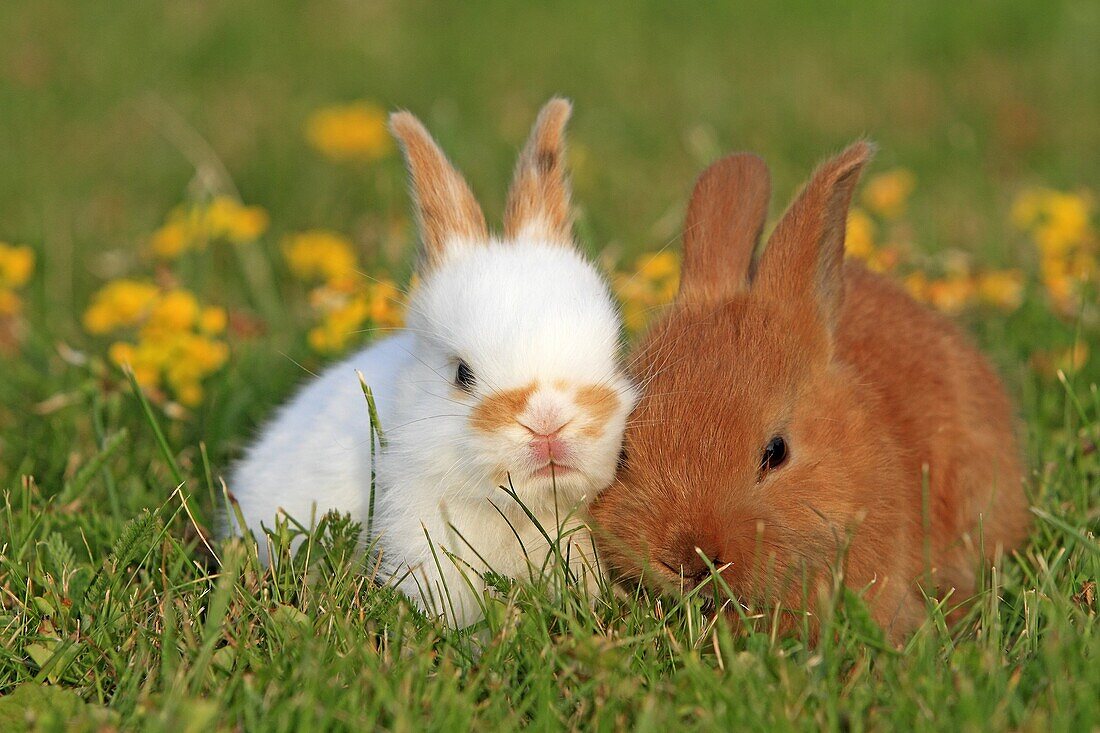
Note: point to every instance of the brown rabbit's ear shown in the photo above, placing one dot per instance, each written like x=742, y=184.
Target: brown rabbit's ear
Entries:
x=445, y=207
x=805, y=254
x=724, y=219
x=538, y=200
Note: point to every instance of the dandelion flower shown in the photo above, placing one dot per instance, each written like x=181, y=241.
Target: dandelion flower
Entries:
x=16, y=265
x=859, y=240
x=118, y=304
x=355, y=131
x=213, y=320
x=227, y=218
x=1002, y=289
x=320, y=255
x=887, y=194
x=176, y=310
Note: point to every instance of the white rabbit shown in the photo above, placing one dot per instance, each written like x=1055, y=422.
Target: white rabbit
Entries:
x=508, y=371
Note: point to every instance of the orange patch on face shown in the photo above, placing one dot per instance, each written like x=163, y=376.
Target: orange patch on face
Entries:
x=500, y=409
x=599, y=403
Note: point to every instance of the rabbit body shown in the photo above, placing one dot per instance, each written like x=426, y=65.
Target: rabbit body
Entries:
x=507, y=375
x=803, y=419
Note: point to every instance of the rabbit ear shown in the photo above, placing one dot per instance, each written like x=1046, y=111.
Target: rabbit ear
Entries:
x=538, y=200
x=445, y=207
x=805, y=254
x=724, y=219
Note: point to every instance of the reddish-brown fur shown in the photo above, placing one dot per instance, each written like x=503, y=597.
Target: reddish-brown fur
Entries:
x=902, y=455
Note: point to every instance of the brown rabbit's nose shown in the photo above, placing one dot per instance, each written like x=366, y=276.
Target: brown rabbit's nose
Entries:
x=695, y=558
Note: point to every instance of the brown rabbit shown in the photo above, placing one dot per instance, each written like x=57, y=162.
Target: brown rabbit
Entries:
x=808, y=410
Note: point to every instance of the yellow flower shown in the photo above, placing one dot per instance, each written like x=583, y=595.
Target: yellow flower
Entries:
x=175, y=347
x=385, y=305
x=227, y=218
x=654, y=281
x=658, y=266
x=16, y=265
x=1058, y=221
x=119, y=304
x=189, y=394
x=355, y=131
x=121, y=353
x=345, y=315
x=213, y=320
x=1001, y=288
x=888, y=193
x=319, y=255
x=859, y=239
x=171, y=240
x=176, y=310
x=951, y=294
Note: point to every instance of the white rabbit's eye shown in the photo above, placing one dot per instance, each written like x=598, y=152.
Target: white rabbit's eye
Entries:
x=775, y=453
x=464, y=377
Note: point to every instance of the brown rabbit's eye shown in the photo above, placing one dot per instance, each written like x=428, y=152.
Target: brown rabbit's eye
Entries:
x=464, y=377
x=775, y=453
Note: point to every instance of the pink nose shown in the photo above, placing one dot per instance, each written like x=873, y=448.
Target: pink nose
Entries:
x=545, y=448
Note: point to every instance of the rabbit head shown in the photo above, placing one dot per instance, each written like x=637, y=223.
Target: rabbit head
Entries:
x=748, y=435
x=517, y=377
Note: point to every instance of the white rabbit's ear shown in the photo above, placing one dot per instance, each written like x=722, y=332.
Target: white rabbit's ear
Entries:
x=538, y=201
x=445, y=207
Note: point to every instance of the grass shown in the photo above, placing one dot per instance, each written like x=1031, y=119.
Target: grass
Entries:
x=112, y=612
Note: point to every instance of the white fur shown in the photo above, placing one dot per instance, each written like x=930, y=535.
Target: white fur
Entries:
x=518, y=313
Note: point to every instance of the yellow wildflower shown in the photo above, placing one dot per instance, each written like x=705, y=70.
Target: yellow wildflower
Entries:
x=888, y=193
x=119, y=304
x=227, y=218
x=859, y=239
x=355, y=131
x=213, y=320
x=16, y=265
x=653, y=282
x=175, y=346
x=1001, y=288
x=176, y=310
x=951, y=294
x=193, y=226
x=345, y=315
x=320, y=255
x=121, y=352
x=658, y=266
x=385, y=309
x=171, y=239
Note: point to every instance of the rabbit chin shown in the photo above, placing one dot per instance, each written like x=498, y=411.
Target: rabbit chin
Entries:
x=553, y=488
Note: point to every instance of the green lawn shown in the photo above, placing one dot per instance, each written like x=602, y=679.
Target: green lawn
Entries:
x=112, y=613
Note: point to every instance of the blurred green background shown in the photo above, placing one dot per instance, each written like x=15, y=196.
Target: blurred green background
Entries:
x=106, y=110
x=977, y=98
